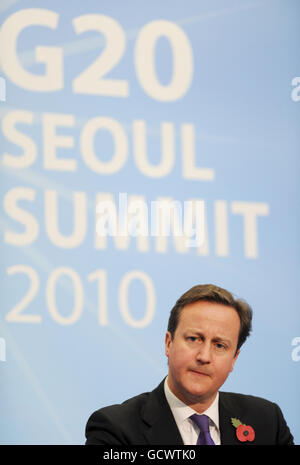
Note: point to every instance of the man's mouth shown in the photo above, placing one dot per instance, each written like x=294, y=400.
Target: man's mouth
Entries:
x=200, y=373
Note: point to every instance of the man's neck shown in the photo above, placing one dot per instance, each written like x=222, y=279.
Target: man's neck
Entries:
x=197, y=403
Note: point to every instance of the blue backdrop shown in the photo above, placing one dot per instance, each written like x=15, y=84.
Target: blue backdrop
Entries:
x=111, y=110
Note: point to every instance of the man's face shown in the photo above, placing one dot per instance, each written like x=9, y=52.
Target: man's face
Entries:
x=203, y=351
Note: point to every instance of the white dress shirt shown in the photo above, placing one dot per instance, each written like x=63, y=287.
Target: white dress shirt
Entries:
x=188, y=429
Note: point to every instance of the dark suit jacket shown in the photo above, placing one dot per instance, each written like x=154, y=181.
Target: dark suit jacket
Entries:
x=147, y=420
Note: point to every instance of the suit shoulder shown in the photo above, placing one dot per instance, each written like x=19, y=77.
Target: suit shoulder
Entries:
x=264, y=415
x=126, y=409
x=246, y=399
x=118, y=423
x=249, y=404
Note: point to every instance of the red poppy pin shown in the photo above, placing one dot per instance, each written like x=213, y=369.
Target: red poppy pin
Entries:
x=243, y=432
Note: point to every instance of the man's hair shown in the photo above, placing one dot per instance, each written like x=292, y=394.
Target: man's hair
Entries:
x=215, y=294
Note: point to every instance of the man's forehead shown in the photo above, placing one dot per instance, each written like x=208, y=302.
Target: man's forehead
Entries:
x=205, y=307
x=197, y=317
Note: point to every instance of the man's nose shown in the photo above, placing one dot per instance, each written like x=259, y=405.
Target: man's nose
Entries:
x=204, y=353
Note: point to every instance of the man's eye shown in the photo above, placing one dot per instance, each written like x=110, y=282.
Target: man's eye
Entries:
x=192, y=338
x=219, y=345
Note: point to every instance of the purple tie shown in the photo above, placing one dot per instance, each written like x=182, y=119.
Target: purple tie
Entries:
x=204, y=438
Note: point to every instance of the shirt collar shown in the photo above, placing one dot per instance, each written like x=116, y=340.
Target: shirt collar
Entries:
x=181, y=411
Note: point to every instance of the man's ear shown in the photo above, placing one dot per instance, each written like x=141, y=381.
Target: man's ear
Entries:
x=168, y=340
x=235, y=359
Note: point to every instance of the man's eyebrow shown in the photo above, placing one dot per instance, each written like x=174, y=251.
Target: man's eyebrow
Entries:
x=200, y=333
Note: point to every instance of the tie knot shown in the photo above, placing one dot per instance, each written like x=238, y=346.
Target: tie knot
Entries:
x=201, y=421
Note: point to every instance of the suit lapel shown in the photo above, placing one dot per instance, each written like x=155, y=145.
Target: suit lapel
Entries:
x=160, y=425
x=228, y=409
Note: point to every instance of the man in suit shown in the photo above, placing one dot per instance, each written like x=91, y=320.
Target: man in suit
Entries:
x=206, y=329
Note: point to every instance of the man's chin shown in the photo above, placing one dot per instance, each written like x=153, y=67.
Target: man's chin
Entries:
x=196, y=393
x=193, y=389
